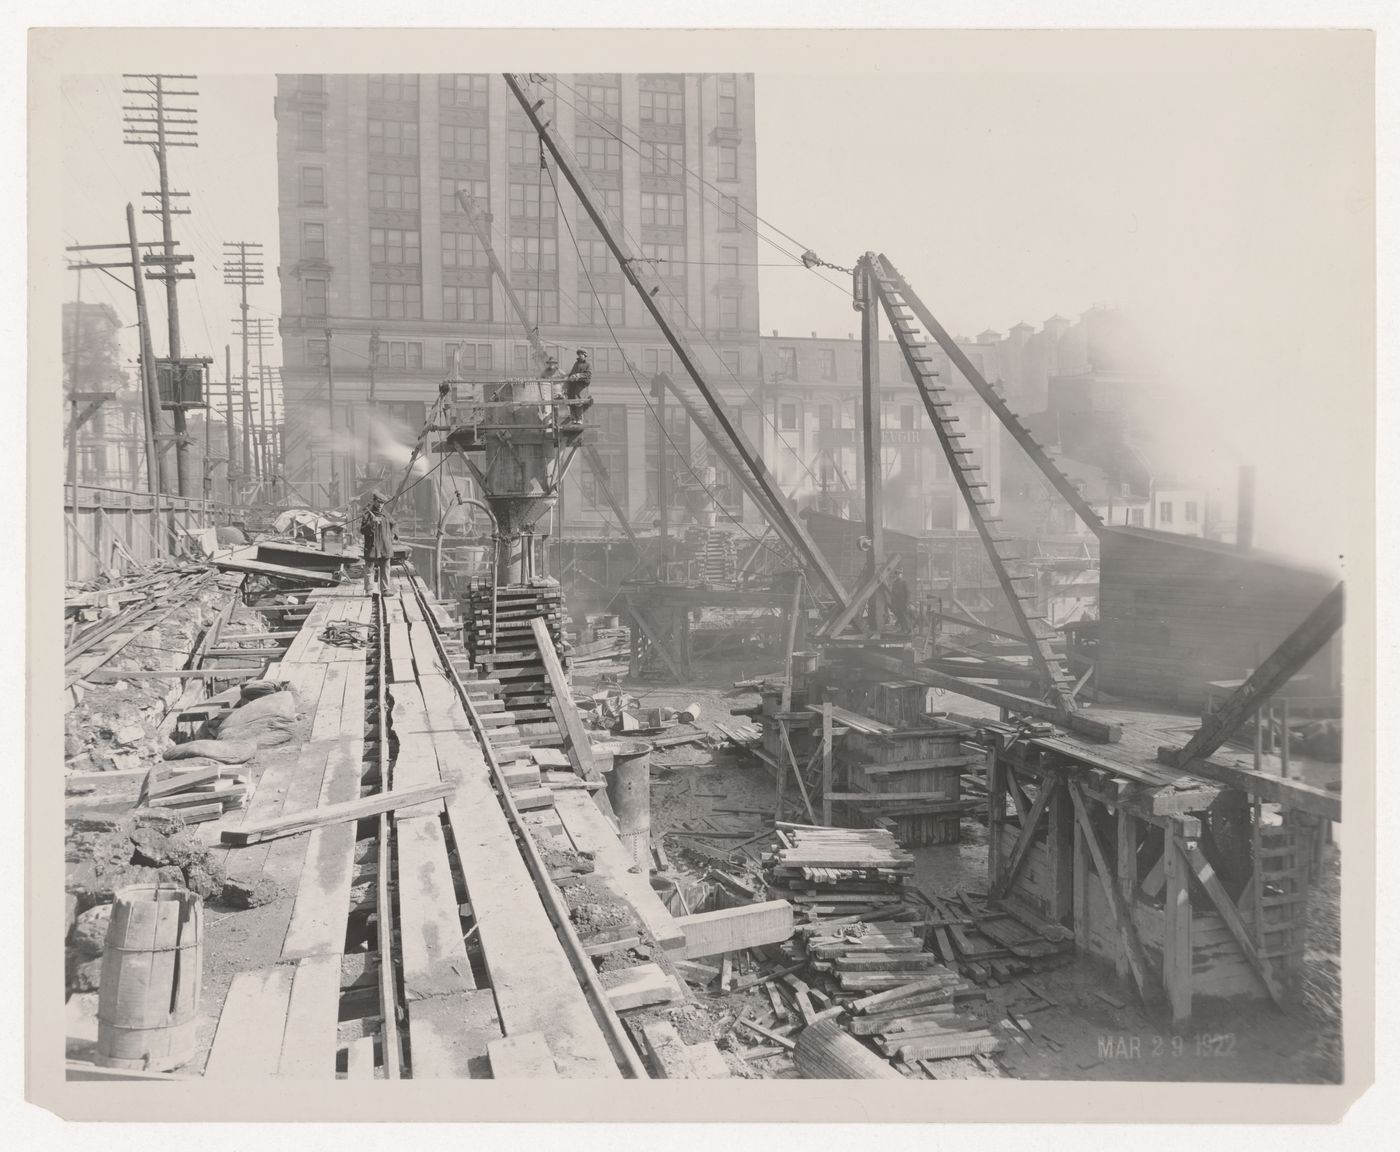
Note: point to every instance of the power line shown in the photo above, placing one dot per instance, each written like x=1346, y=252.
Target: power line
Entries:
x=642, y=392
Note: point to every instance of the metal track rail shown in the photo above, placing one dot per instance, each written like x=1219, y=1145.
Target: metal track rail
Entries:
x=628, y=1060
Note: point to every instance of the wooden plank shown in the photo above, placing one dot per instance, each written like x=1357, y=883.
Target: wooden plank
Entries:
x=248, y=1042
x=359, y=1059
x=590, y=831
x=640, y=986
x=332, y=814
x=1074, y=721
x=309, y=1041
x=322, y=902
x=1176, y=934
x=452, y=1035
x=534, y=984
x=732, y=929
x=111, y=675
x=523, y=1056
x=578, y=746
x=827, y=750
x=434, y=958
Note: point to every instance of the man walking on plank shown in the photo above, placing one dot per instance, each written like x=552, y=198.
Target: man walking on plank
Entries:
x=377, y=533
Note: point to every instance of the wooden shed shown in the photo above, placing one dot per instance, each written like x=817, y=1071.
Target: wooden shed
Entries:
x=1178, y=612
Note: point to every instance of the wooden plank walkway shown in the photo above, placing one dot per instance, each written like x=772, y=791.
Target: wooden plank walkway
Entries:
x=282, y=1021
x=535, y=988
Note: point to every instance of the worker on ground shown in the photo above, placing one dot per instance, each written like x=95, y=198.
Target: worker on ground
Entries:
x=899, y=601
x=377, y=534
x=576, y=389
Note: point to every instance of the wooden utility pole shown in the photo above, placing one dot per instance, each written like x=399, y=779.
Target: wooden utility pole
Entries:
x=868, y=306
x=155, y=469
x=155, y=463
x=155, y=131
x=228, y=420
x=243, y=268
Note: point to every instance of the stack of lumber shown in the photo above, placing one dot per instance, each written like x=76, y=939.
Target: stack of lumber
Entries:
x=195, y=792
x=501, y=644
x=992, y=943
x=919, y=1021
x=860, y=872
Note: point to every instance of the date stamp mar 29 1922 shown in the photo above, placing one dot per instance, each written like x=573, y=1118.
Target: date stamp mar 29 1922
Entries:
x=1131, y=1046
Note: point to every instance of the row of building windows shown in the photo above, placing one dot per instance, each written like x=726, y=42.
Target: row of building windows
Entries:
x=471, y=302
x=607, y=360
x=470, y=91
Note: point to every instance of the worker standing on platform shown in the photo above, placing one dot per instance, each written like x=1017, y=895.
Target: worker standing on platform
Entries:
x=576, y=388
x=377, y=534
x=899, y=601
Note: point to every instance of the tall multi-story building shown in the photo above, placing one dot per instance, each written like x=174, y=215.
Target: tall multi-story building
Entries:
x=385, y=284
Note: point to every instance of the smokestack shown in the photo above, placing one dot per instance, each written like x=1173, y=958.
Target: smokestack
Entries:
x=1244, y=516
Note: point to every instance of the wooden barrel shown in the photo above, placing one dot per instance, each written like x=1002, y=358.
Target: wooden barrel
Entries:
x=151, y=974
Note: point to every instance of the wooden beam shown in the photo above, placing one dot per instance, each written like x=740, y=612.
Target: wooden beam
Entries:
x=792, y=616
x=109, y=675
x=1273, y=789
x=333, y=814
x=1029, y=827
x=734, y=929
x=827, y=755
x=1076, y=722
x=1122, y=916
x=1230, y=914
x=863, y=592
x=1127, y=868
x=1176, y=934
x=1277, y=669
x=579, y=748
x=792, y=760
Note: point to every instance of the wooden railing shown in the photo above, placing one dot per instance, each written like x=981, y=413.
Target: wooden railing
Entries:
x=111, y=530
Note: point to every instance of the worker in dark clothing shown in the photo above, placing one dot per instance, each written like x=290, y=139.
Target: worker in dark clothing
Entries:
x=899, y=602
x=377, y=534
x=576, y=389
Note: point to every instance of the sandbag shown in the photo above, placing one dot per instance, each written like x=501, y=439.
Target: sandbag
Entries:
x=256, y=689
x=268, y=732
x=280, y=705
x=224, y=751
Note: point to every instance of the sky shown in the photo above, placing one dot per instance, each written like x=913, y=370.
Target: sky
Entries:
x=1222, y=198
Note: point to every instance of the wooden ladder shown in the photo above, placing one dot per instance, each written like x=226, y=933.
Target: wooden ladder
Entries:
x=1013, y=574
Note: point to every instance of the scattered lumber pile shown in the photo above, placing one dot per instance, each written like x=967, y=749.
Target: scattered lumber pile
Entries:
x=848, y=872
x=994, y=943
x=193, y=791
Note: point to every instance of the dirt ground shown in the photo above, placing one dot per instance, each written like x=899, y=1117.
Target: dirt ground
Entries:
x=1081, y=1036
